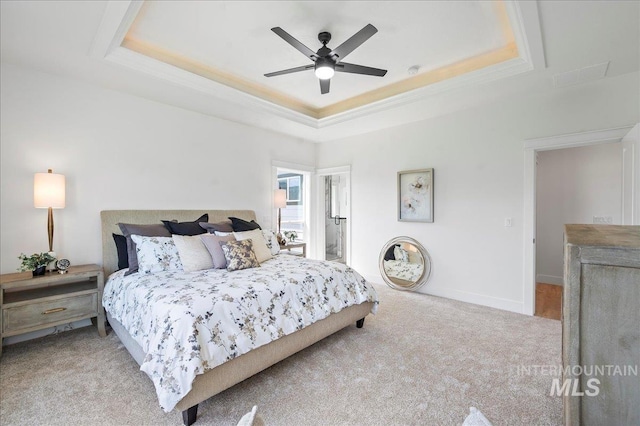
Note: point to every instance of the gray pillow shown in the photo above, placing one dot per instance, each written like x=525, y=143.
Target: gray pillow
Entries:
x=239, y=255
x=220, y=226
x=212, y=243
x=129, y=229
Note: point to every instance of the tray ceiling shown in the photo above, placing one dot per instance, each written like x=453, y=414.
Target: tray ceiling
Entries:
x=225, y=48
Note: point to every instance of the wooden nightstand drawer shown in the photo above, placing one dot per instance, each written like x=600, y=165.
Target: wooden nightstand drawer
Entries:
x=29, y=303
x=36, y=315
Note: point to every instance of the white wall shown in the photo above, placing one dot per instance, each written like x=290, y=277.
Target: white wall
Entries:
x=572, y=186
x=120, y=152
x=478, y=159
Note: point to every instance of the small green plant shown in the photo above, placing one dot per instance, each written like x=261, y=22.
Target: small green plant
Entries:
x=291, y=235
x=33, y=262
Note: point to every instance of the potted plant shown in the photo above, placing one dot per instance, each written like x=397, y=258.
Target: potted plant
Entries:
x=291, y=235
x=37, y=263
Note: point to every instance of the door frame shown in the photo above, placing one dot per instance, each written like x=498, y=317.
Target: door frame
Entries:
x=531, y=148
x=320, y=249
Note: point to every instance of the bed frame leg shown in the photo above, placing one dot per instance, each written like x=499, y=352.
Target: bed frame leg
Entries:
x=360, y=323
x=189, y=415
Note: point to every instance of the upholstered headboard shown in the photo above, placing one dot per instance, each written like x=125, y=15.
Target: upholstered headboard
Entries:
x=111, y=218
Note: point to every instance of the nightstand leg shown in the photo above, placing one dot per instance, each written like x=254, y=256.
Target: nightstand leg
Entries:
x=101, y=316
x=101, y=320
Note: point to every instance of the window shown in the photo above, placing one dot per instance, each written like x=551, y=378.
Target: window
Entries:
x=294, y=215
x=293, y=186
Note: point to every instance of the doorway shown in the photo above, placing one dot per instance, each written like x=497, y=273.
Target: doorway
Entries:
x=334, y=214
x=531, y=149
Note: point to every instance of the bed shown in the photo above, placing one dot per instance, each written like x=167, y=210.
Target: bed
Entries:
x=216, y=368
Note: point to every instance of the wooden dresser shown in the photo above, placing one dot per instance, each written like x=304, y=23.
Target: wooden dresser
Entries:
x=601, y=325
x=29, y=303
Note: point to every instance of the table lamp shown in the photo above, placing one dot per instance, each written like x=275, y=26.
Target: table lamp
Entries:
x=49, y=193
x=280, y=202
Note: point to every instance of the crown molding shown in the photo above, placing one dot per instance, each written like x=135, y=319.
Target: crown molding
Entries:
x=526, y=53
x=571, y=140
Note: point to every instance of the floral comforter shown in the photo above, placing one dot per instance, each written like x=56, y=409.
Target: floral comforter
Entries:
x=189, y=322
x=403, y=270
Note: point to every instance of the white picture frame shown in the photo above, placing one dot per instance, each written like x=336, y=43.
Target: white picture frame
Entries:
x=415, y=195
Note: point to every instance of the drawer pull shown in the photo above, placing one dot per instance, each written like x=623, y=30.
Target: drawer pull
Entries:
x=53, y=311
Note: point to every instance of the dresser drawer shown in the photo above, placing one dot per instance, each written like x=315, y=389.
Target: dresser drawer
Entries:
x=49, y=312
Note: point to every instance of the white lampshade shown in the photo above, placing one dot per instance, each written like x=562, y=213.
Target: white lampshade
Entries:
x=280, y=198
x=48, y=190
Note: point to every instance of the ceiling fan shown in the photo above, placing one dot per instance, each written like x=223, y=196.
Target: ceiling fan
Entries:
x=327, y=61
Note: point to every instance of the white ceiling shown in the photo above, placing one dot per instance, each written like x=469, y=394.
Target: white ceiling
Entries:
x=235, y=38
x=81, y=39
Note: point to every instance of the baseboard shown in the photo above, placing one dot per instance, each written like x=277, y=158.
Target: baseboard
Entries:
x=462, y=296
x=549, y=279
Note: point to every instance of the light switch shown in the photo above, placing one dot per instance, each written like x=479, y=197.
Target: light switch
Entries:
x=507, y=222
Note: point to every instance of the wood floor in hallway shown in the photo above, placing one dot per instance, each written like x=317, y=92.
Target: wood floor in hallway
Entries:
x=548, y=300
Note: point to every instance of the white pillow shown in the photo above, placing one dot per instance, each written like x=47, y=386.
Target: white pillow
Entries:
x=272, y=241
x=251, y=418
x=476, y=418
x=193, y=253
x=222, y=234
x=401, y=254
x=259, y=244
x=156, y=254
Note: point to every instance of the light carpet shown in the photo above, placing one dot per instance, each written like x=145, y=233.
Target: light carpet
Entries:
x=421, y=360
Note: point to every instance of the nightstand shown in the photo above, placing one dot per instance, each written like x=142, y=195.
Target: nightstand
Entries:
x=29, y=303
x=290, y=246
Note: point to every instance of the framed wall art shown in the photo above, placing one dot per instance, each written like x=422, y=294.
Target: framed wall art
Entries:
x=415, y=196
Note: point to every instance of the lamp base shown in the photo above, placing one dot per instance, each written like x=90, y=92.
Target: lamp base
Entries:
x=52, y=265
x=281, y=240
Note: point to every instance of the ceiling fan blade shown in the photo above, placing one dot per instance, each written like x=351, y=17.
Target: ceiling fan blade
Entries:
x=324, y=86
x=359, y=69
x=295, y=43
x=290, y=70
x=356, y=40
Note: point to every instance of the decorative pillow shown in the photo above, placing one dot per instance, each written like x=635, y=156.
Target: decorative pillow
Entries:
x=239, y=255
x=241, y=225
x=272, y=241
x=128, y=229
x=220, y=226
x=121, y=248
x=212, y=244
x=259, y=244
x=193, y=254
x=186, y=228
x=251, y=418
x=476, y=418
x=389, y=253
x=401, y=254
x=156, y=254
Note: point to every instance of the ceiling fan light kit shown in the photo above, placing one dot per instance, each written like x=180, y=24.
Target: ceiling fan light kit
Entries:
x=326, y=61
x=324, y=69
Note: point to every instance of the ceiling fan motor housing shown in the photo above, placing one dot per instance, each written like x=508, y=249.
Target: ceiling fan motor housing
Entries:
x=324, y=37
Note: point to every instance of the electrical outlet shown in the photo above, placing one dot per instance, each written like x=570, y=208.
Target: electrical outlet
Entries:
x=606, y=220
x=507, y=222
